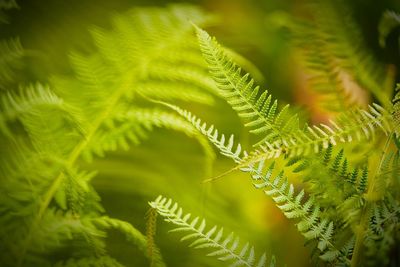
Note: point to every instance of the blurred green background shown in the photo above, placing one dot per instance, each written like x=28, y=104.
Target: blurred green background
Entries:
x=170, y=163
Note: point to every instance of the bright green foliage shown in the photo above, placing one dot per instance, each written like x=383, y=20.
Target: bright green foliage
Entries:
x=354, y=125
x=337, y=181
x=282, y=133
x=311, y=225
x=132, y=60
x=27, y=102
x=260, y=111
x=327, y=172
x=224, y=145
x=47, y=200
x=334, y=206
x=224, y=248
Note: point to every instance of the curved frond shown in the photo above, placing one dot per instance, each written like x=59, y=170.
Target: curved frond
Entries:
x=357, y=125
x=311, y=223
x=224, y=248
x=131, y=127
x=97, y=110
x=30, y=102
x=226, y=146
x=11, y=55
x=389, y=21
x=258, y=109
x=132, y=235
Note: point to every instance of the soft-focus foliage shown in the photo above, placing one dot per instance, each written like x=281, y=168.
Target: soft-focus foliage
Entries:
x=100, y=107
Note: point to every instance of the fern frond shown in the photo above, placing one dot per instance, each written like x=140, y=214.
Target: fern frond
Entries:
x=133, y=126
x=132, y=235
x=329, y=174
x=389, y=21
x=383, y=212
x=282, y=133
x=30, y=101
x=311, y=222
x=101, y=95
x=260, y=111
x=356, y=125
x=382, y=225
x=57, y=229
x=225, y=248
x=140, y=39
x=226, y=146
x=360, y=125
x=334, y=55
x=11, y=55
x=173, y=91
x=76, y=194
x=314, y=222
x=50, y=212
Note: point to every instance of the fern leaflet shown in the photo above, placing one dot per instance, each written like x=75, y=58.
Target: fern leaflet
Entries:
x=260, y=112
x=226, y=249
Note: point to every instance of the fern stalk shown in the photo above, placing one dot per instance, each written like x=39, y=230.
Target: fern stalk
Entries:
x=151, y=222
x=355, y=260
x=71, y=160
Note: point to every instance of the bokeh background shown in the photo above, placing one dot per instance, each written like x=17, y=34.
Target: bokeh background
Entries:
x=173, y=164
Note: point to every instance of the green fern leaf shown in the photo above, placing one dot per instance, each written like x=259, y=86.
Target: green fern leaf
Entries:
x=260, y=111
x=131, y=127
x=95, y=111
x=11, y=55
x=30, y=102
x=389, y=21
x=351, y=126
x=310, y=224
x=226, y=249
x=226, y=146
x=281, y=131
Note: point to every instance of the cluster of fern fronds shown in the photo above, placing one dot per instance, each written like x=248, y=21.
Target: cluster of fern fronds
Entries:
x=336, y=180
x=347, y=206
x=50, y=213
